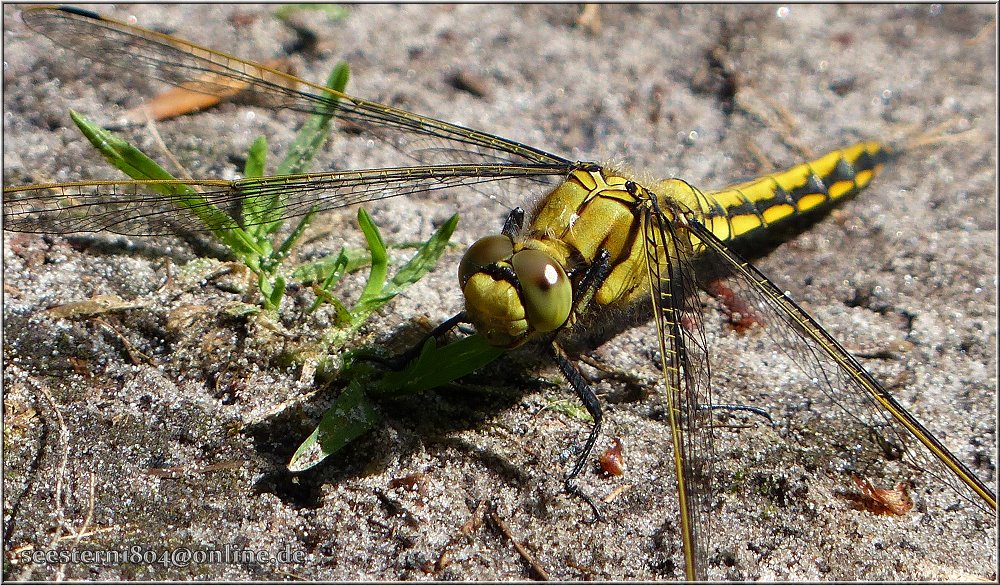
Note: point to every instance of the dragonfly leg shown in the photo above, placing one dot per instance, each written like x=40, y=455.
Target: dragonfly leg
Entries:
x=740, y=408
x=399, y=362
x=593, y=406
x=592, y=280
x=514, y=222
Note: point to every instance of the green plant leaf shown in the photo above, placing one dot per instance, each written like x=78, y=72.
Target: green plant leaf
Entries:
x=417, y=267
x=272, y=289
x=351, y=415
x=334, y=336
x=254, y=209
x=293, y=238
x=126, y=158
x=570, y=408
x=310, y=138
x=334, y=266
x=256, y=158
x=437, y=366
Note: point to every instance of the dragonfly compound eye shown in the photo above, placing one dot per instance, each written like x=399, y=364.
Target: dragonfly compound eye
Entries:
x=547, y=292
x=483, y=252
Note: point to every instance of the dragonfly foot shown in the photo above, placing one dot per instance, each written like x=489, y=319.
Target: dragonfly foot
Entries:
x=574, y=490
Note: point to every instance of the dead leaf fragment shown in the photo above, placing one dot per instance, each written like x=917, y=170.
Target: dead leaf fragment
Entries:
x=96, y=305
x=893, y=502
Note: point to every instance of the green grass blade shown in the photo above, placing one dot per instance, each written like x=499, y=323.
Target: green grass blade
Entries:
x=256, y=159
x=254, y=209
x=127, y=158
x=380, y=258
x=335, y=266
x=334, y=270
x=300, y=228
x=339, y=268
x=137, y=165
x=343, y=316
x=419, y=265
x=426, y=258
x=272, y=288
x=309, y=140
x=353, y=413
x=316, y=130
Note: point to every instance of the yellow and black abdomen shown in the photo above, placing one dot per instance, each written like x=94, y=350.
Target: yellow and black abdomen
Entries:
x=745, y=208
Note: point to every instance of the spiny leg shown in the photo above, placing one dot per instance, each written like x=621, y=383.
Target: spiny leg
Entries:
x=591, y=281
x=739, y=408
x=400, y=361
x=593, y=406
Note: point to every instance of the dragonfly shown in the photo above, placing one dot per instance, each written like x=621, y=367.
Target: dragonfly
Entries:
x=600, y=243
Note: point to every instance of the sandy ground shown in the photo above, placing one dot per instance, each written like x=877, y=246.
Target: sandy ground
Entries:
x=155, y=426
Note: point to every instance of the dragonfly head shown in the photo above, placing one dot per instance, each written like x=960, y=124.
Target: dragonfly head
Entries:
x=512, y=294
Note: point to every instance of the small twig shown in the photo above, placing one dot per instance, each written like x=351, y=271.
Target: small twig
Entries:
x=134, y=355
x=475, y=521
x=764, y=164
x=616, y=492
x=936, y=135
x=538, y=572
x=396, y=508
x=151, y=128
x=473, y=524
x=779, y=119
x=168, y=268
x=608, y=372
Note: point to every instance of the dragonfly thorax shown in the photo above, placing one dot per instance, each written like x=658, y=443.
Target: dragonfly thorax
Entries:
x=512, y=292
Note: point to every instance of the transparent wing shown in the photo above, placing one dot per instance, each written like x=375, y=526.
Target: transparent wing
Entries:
x=836, y=416
x=856, y=396
x=687, y=376
x=151, y=208
x=180, y=63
